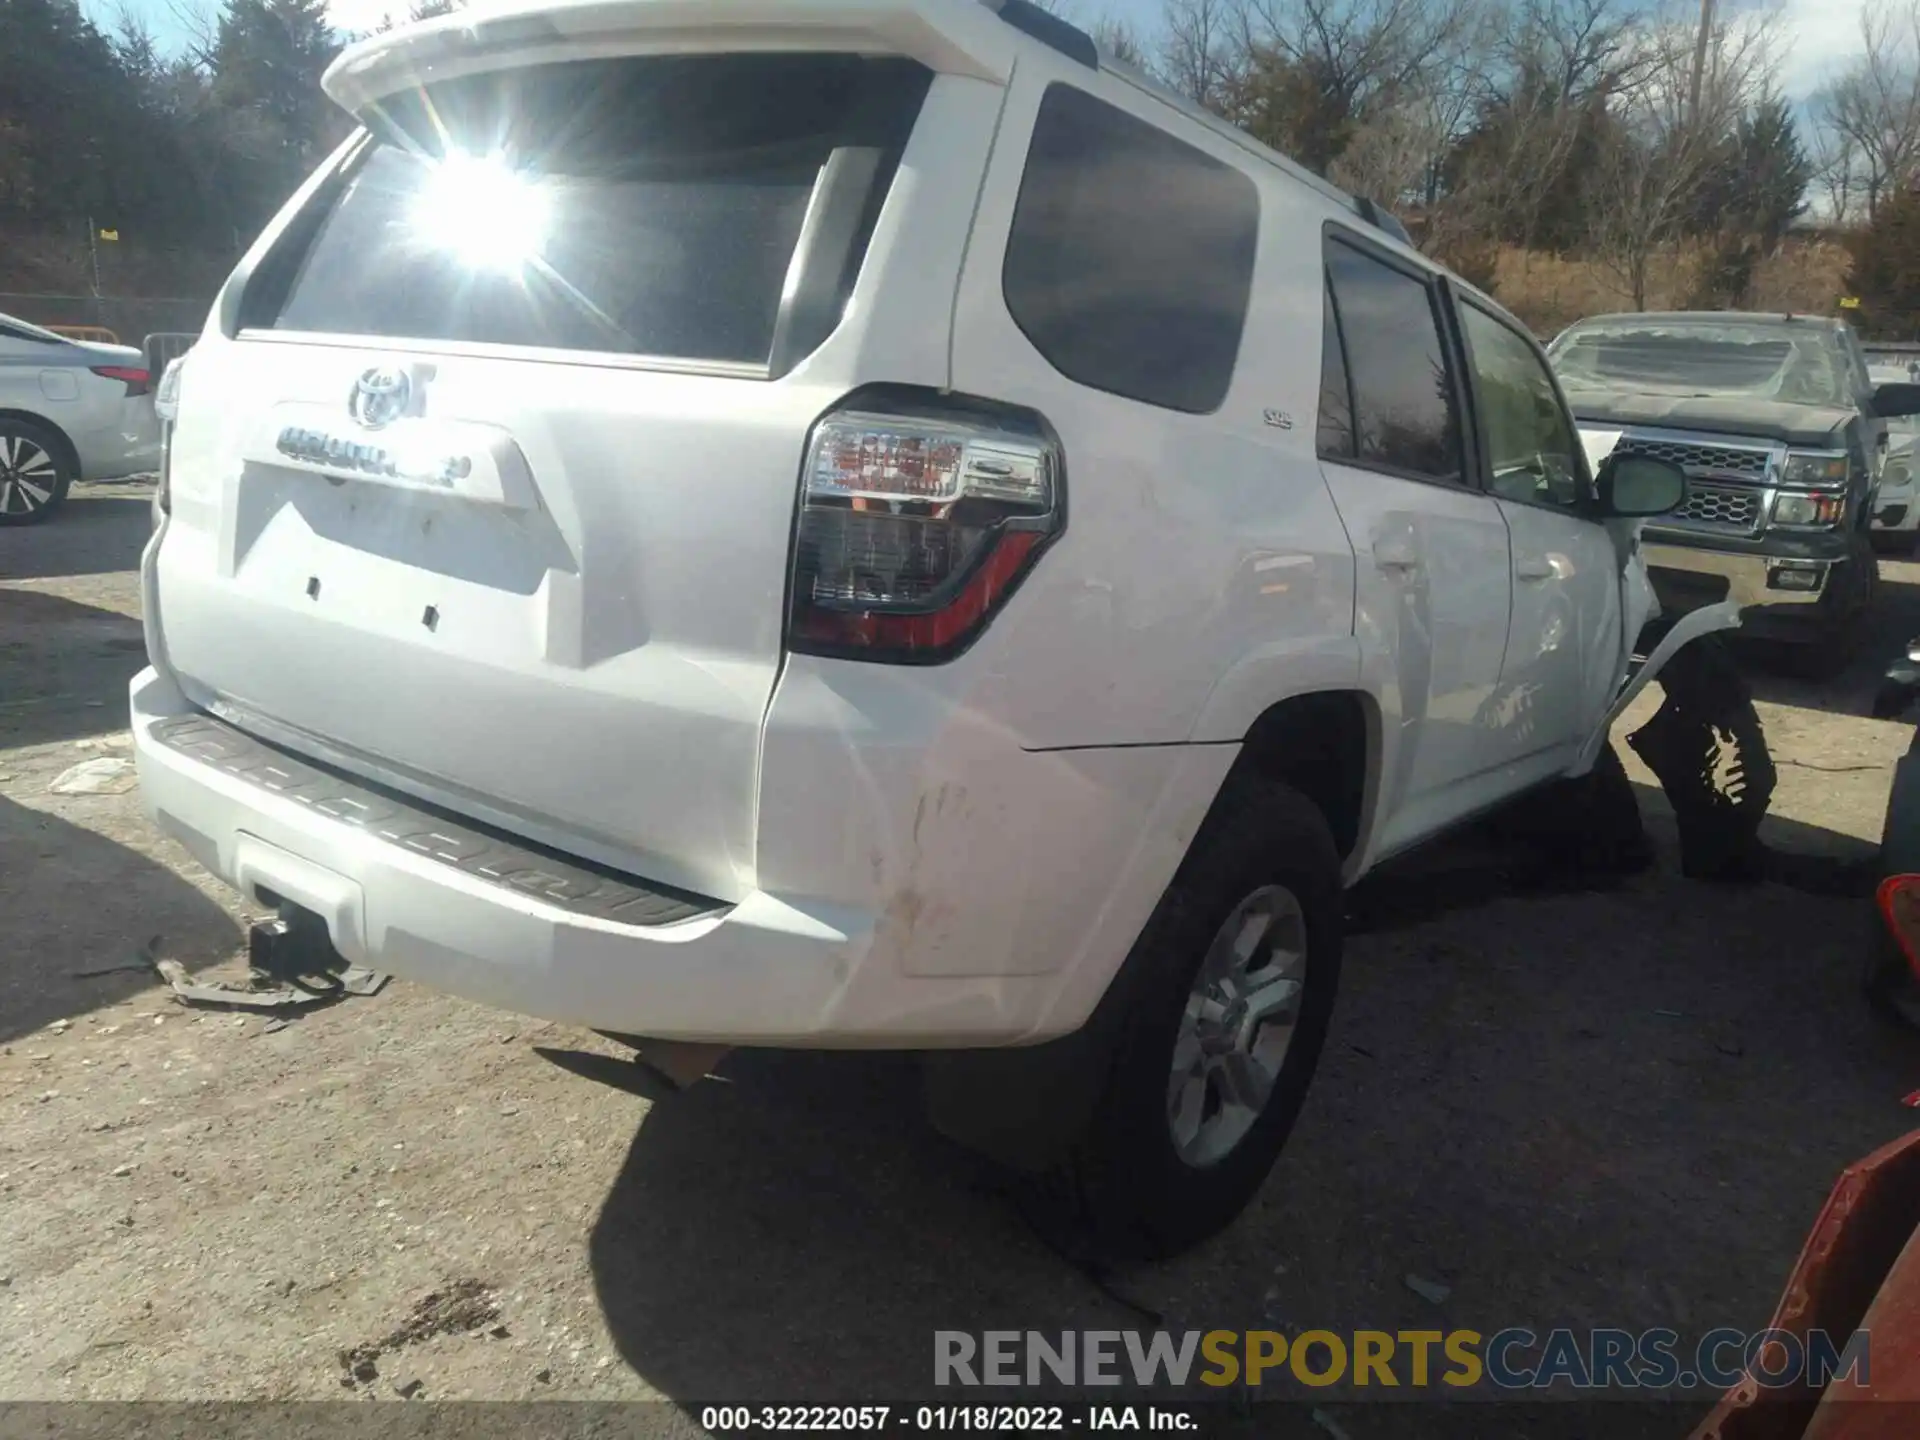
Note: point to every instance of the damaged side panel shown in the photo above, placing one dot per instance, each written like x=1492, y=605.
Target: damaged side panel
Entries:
x=1707, y=620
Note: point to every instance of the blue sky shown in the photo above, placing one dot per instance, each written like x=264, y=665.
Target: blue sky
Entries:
x=1819, y=34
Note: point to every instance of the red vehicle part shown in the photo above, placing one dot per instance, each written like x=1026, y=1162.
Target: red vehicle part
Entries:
x=1899, y=901
x=1859, y=1270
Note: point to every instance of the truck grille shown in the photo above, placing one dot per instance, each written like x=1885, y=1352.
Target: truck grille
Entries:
x=1699, y=459
x=1723, y=507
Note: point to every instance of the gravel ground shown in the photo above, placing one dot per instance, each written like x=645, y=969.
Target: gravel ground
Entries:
x=1608, y=1108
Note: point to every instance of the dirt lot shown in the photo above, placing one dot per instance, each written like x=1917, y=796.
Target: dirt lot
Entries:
x=1608, y=1108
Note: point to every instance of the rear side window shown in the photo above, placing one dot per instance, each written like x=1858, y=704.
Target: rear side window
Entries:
x=1404, y=414
x=1131, y=255
x=650, y=205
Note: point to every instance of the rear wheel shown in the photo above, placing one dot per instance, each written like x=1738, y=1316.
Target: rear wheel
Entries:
x=34, y=472
x=1236, y=974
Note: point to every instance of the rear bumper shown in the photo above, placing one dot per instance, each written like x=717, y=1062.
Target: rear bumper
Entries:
x=928, y=963
x=132, y=447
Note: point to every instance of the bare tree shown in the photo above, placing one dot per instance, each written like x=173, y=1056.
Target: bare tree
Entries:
x=1836, y=170
x=1663, y=149
x=1314, y=73
x=1541, y=82
x=1199, y=56
x=1120, y=40
x=1873, y=109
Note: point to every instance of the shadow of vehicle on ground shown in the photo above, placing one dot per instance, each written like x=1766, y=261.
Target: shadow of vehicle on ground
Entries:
x=1610, y=1107
x=64, y=668
x=99, y=531
x=77, y=909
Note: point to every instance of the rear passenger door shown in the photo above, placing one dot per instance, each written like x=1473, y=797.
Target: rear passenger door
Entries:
x=1563, y=641
x=1432, y=593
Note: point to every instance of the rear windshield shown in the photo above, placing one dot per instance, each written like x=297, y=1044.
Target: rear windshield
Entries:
x=647, y=205
x=1803, y=367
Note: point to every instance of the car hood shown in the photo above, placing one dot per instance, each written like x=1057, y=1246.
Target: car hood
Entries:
x=1814, y=425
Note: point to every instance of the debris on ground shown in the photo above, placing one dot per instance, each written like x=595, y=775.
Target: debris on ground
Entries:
x=462, y=1306
x=123, y=740
x=1432, y=1291
x=1327, y=1423
x=259, y=990
x=106, y=775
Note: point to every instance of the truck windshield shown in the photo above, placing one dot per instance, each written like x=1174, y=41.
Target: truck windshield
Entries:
x=1761, y=362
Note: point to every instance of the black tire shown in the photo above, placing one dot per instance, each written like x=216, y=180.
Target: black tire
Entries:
x=1845, y=612
x=1134, y=1194
x=1893, y=993
x=1584, y=829
x=1894, y=544
x=35, y=472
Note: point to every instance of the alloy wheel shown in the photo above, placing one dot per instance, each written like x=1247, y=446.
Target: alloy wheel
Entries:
x=28, y=475
x=1237, y=1025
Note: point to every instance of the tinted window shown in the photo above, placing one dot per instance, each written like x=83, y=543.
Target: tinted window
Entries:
x=646, y=205
x=1336, y=394
x=1531, y=446
x=1404, y=415
x=1131, y=255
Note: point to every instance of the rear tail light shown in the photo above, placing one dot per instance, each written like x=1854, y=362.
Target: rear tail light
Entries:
x=135, y=376
x=1899, y=899
x=914, y=528
x=166, y=408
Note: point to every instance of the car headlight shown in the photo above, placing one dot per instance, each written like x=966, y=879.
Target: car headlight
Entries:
x=1815, y=467
x=1813, y=508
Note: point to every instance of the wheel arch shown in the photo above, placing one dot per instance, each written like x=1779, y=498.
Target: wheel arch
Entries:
x=1327, y=744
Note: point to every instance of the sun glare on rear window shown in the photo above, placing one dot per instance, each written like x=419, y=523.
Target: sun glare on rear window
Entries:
x=648, y=205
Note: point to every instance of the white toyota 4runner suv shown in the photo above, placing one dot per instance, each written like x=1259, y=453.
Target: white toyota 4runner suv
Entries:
x=862, y=523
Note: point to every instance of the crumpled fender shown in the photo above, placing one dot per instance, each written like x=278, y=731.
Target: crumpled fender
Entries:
x=1704, y=621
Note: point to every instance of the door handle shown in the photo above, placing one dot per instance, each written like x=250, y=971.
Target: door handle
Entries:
x=1395, y=556
x=1540, y=569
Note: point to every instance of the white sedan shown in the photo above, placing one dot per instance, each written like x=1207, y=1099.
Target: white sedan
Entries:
x=1896, y=505
x=69, y=411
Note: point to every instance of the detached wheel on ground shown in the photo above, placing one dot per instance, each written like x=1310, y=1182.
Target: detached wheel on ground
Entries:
x=34, y=472
x=1232, y=985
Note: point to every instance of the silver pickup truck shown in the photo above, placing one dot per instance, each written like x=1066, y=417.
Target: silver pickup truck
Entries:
x=1783, y=435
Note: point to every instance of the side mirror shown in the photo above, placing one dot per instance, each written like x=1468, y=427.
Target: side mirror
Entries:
x=1896, y=400
x=1633, y=485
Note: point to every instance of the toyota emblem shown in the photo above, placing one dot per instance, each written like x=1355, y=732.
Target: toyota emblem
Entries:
x=380, y=396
